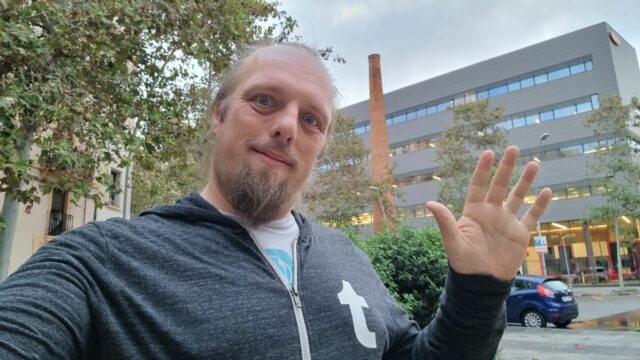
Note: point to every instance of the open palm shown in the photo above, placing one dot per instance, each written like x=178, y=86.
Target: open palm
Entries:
x=489, y=238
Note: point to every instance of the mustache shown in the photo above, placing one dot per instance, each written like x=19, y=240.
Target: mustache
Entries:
x=276, y=147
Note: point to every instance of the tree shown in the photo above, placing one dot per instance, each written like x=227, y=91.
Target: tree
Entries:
x=339, y=189
x=88, y=84
x=618, y=163
x=412, y=264
x=475, y=128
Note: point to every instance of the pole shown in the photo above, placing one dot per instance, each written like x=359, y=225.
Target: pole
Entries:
x=384, y=214
x=620, y=277
x=544, y=262
x=128, y=180
x=566, y=262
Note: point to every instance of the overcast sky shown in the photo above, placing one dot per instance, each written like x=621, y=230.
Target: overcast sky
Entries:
x=418, y=40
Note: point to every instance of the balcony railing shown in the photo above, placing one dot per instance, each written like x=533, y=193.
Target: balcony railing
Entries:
x=59, y=222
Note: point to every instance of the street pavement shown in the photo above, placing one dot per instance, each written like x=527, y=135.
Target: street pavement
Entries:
x=597, y=306
x=520, y=343
x=596, y=333
x=602, y=290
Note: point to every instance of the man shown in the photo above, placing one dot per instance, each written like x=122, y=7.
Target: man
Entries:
x=234, y=272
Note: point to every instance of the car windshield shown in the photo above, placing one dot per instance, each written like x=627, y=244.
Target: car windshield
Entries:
x=555, y=285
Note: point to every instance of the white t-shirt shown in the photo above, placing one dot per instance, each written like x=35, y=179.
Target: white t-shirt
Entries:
x=276, y=239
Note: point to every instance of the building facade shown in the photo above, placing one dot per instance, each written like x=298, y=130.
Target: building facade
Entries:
x=550, y=87
x=56, y=213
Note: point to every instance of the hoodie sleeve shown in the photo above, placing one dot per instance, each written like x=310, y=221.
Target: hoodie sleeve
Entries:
x=468, y=325
x=45, y=305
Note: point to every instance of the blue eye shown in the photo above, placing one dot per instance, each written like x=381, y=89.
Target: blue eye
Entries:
x=263, y=100
x=310, y=119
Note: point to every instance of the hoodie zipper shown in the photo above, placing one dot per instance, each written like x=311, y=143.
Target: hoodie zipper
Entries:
x=293, y=293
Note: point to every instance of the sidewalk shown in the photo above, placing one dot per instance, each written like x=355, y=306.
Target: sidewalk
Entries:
x=604, y=290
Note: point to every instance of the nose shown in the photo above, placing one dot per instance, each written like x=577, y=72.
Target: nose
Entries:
x=284, y=126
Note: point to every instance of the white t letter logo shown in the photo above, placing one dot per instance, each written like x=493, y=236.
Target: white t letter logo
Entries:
x=356, y=302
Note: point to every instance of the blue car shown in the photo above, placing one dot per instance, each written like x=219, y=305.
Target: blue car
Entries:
x=536, y=301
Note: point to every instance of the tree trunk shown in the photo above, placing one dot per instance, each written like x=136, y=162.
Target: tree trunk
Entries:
x=591, y=258
x=10, y=211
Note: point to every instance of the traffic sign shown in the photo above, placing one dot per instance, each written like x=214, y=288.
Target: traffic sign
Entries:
x=540, y=243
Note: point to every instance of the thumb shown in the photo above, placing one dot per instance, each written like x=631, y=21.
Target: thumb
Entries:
x=446, y=222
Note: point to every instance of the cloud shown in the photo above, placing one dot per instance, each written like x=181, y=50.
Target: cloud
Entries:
x=418, y=40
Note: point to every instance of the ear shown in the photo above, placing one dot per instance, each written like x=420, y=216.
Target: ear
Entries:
x=215, y=119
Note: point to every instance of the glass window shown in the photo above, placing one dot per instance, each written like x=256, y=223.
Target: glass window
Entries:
x=524, y=159
x=540, y=79
x=588, y=65
x=469, y=97
x=482, y=94
x=564, y=111
x=389, y=121
x=595, y=103
x=525, y=83
x=519, y=122
x=559, y=74
x=598, y=189
x=498, y=90
x=411, y=115
x=458, y=101
x=572, y=193
x=546, y=115
x=432, y=110
x=583, y=107
x=513, y=86
x=559, y=194
x=399, y=118
x=533, y=119
x=577, y=68
x=552, y=154
x=443, y=106
x=505, y=125
x=571, y=151
x=584, y=191
x=421, y=112
x=590, y=147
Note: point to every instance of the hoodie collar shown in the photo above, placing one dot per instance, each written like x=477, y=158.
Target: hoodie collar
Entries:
x=195, y=208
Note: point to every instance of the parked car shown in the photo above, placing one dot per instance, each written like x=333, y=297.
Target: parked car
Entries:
x=601, y=274
x=536, y=301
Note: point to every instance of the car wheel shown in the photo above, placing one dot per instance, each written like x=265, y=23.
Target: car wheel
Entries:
x=533, y=319
x=562, y=324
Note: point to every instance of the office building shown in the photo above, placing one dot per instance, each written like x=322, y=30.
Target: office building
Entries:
x=550, y=87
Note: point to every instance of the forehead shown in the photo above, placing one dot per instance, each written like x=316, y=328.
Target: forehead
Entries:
x=288, y=66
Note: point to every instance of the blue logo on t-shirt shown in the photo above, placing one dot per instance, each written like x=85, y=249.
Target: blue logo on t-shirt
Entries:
x=283, y=263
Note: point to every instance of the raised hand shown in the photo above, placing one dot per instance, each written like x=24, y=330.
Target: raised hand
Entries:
x=489, y=238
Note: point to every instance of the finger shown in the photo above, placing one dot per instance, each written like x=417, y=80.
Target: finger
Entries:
x=446, y=222
x=520, y=191
x=478, y=184
x=500, y=183
x=535, y=212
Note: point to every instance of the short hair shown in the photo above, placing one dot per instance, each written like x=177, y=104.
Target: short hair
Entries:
x=229, y=79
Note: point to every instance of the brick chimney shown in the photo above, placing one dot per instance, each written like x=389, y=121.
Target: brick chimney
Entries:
x=380, y=170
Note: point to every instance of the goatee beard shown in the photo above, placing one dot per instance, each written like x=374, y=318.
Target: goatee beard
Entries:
x=258, y=197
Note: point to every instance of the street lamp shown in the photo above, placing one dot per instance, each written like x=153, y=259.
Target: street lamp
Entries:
x=543, y=137
x=384, y=214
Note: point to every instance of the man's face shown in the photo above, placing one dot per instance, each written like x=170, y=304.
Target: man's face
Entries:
x=274, y=127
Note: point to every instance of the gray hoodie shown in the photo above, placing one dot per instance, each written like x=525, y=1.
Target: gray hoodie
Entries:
x=186, y=282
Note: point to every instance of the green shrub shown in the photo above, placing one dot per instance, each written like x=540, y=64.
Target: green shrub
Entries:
x=413, y=265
